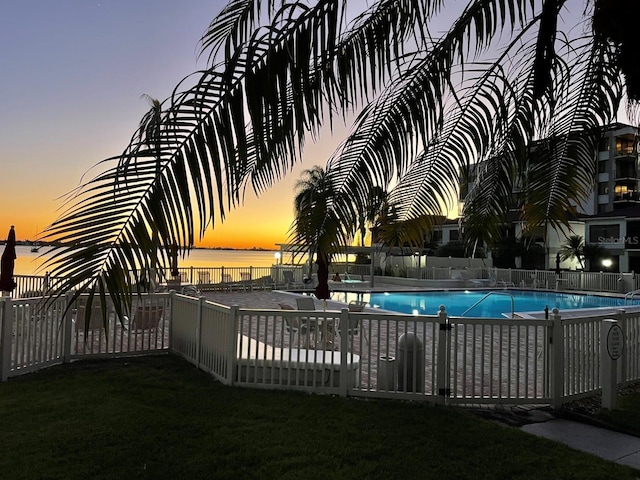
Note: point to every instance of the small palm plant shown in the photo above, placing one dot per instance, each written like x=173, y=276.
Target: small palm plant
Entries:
x=573, y=248
x=314, y=226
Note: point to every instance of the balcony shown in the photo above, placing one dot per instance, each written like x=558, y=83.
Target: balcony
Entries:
x=626, y=199
x=626, y=173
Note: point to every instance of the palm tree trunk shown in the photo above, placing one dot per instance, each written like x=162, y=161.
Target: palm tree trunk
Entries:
x=322, y=290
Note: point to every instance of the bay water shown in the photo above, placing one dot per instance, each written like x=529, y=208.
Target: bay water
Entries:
x=30, y=263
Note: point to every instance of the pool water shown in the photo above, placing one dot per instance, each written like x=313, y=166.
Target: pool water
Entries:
x=498, y=304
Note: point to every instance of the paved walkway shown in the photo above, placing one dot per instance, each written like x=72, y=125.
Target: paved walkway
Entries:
x=613, y=446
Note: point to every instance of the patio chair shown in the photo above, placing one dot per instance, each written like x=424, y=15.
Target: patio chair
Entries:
x=296, y=326
x=245, y=280
x=204, y=278
x=290, y=280
x=146, y=317
x=95, y=319
x=305, y=303
x=353, y=327
x=227, y=282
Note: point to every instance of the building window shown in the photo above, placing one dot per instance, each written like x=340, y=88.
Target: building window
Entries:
x=624, y=146
x=603, y=146
x=454, y=235
x=603, y=188
x=604, y=233
x=603, y=166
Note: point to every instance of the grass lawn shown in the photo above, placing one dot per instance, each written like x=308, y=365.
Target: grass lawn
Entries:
x=159, y=417
x=626, y=417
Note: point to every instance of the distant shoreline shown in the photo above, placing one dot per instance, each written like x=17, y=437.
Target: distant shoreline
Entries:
x=30, y=243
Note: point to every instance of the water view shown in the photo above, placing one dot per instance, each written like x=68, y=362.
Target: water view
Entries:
x=30, y=263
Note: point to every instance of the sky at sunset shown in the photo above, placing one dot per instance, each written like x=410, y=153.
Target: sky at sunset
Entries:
x=73, y=73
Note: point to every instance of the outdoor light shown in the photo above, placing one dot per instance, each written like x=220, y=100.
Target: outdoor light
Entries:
x=607, y=262
x=278, y=255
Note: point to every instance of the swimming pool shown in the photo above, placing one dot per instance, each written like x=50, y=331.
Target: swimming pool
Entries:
x=495, y=305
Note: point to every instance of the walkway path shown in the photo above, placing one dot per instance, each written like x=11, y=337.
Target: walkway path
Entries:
x=614, y=446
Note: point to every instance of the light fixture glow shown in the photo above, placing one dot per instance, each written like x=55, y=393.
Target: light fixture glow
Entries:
x=607, y=262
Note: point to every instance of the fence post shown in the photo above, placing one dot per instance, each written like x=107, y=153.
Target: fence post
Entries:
x=611, y=348
x=623, y=363
x=442, y=360
x=344, y=352
x=201, y=302
x=232, y=343
x=67, y=328
x=5, y=338
x=556, y=343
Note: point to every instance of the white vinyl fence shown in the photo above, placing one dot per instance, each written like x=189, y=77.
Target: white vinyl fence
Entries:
x=35, y=335
x=440, y=359
x=290, y=277
x=435, y=358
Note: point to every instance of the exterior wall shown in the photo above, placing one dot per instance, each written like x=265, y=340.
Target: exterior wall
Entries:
x=610, y=234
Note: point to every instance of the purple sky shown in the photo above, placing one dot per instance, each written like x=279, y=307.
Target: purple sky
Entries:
x=73, y=73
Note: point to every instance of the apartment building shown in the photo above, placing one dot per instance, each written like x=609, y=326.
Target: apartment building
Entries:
x=608, y=217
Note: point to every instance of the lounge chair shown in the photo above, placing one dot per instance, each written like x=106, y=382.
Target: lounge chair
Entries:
x=357, y=306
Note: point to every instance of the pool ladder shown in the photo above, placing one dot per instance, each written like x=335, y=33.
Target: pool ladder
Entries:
x=629, y=295
x=487, y=296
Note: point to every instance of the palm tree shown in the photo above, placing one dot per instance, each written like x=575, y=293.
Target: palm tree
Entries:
x=592, y=253
x=573, y=247
x=504, y=75
x=315, y=224
x=376, y=207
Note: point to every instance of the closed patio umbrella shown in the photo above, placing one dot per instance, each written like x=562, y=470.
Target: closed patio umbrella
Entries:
x=7, y=263
x=175, y=273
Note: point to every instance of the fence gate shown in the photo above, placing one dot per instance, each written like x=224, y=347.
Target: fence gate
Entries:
x=496, y=360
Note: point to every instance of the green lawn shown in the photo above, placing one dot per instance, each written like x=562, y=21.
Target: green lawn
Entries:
x=159, y=417
x=626, y=417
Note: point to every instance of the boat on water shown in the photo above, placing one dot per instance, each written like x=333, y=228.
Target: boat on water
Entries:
x=35, y=246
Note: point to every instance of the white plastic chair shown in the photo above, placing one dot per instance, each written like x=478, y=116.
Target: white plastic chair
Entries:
x=295, y=326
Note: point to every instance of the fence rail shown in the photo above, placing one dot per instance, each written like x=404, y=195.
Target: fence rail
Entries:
x=291, y=277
